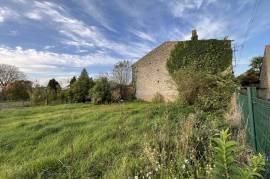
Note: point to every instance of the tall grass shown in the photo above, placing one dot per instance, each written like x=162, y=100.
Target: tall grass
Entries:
x=128, y=140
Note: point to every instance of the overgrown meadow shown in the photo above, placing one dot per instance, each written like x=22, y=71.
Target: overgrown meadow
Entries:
x=82, y=140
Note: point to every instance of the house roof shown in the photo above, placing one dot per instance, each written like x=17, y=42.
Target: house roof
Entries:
x=165, y=46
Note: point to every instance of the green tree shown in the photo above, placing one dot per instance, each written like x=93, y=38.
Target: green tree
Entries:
x=80, y=88
x=101, y=92
x=18, y=90
x=256, y=63
x=53, y=90
x=252, y=76
x=73, y=80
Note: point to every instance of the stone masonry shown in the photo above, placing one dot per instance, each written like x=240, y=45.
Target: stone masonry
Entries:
x=150, y=74
x=264, y=91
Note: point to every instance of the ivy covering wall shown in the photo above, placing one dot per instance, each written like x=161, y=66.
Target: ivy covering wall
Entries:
x=213, y=56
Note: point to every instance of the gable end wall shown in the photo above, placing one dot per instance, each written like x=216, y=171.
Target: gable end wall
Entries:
x=150, y=74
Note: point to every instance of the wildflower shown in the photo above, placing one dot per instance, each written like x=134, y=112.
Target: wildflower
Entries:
x=183, y=166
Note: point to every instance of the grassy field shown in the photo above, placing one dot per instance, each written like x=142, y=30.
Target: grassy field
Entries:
x=74, y=140
x=89, y=141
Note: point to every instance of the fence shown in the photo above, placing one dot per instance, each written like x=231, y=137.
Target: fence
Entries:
x=256, y=117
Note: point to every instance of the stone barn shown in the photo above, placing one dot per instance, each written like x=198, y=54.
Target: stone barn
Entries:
x=264, y=87
x=150, y=74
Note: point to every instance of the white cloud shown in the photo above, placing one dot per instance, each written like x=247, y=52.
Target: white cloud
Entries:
x=183, y=7
x=44, y=62
x=63, y=80
x=5, y=13
x=79, y=34
x=33, y=15
x=179, y=7
x=47, y=47
x=96, y=13
x=207, y=27
x=143, y=35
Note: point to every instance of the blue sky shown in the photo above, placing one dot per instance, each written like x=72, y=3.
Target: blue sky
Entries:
x=57, y=38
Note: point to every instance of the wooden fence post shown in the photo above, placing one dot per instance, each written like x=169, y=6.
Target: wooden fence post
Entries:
x=251, y=92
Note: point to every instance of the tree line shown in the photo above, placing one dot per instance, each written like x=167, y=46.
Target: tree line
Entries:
x=81, y=89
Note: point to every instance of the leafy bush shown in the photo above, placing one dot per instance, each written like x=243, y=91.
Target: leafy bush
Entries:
x=206, y=91
x=101, y=92
x=39, y=95
x=122, y=92
x=116, y=95
x=225, y=160
x=18, y=90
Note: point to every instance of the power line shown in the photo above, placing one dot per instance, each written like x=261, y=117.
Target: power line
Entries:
x=252, y=19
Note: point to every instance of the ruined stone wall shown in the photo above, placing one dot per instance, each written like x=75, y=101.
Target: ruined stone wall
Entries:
x=150, y=74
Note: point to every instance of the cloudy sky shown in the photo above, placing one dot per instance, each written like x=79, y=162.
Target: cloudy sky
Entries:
x=57, y=38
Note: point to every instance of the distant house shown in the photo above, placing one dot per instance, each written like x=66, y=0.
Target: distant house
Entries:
x=150, y=74
x=264, y=91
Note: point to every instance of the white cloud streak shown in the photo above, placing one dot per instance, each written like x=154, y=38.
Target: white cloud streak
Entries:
x=79, y=34
x=92, y=9
x=44, y=62
x=143, y=35
x=180, y=7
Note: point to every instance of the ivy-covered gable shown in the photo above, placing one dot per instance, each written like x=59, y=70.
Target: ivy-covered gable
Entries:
x=213, y=56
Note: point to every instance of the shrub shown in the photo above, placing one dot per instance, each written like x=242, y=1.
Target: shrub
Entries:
x=39, y=95
x=18, y=90
x=128, y=92
x=206, y=91
x=122, y=92
x=101, y=92
x=116, y=95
